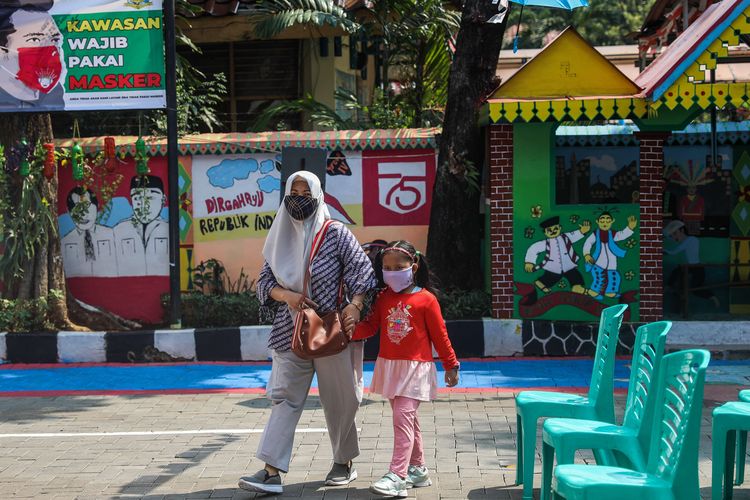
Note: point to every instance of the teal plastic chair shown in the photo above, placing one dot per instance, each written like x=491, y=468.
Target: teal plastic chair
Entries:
x=597, y=405
x=739, y=476
x=563, y=436
x=672, y=469
x=729, y=420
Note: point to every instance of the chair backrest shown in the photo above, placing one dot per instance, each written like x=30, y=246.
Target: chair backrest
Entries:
x=602, y=378
x=648, y=352
x=673, y=453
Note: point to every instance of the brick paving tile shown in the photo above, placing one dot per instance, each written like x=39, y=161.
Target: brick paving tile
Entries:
x=469, y=446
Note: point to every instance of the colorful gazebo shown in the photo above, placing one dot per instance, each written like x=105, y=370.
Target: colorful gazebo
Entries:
x=553, y=260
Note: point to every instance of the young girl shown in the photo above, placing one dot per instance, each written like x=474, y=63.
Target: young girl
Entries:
x=408, y=316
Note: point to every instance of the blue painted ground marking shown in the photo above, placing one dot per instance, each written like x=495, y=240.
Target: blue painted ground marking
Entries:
x=474, y=375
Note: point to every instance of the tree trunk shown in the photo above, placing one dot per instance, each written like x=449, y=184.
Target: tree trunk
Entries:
x=454, y=240
x=44, y=272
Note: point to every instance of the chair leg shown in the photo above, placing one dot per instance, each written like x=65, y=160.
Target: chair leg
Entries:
x=529, y=455
x=729, y=464
x=605, y=457
x=519, y=450
x=718, y=455
x=739, y=474
x=548, y=457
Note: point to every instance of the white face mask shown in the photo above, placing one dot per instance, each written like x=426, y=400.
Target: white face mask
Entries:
x=398, y=280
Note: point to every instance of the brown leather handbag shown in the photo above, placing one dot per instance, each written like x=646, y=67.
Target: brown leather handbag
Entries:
x=318, y=336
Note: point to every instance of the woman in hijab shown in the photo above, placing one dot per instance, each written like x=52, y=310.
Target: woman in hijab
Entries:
x=286, y=251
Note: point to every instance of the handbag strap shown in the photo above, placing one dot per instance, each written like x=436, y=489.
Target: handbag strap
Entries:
x=317, y=243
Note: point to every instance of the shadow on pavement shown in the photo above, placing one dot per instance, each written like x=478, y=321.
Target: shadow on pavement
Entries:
x=29, y=410
x=191, y=457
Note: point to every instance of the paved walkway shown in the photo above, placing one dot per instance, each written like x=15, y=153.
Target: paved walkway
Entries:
x=197, y=445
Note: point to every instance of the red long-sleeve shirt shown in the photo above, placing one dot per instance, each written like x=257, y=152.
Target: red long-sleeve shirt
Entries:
x=410, y=324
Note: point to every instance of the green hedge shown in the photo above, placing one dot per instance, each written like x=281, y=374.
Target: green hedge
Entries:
x=24, y=315
x=242, y=309
x=465, y=304
x=211, y=311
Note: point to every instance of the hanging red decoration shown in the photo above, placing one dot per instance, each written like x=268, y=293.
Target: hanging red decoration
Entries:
x=24, y=167
x=76, y=161
x=49, y=161
x=141, y=158
x=110, y=159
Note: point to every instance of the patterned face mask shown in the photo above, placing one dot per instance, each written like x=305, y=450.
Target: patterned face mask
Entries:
x=300, y=207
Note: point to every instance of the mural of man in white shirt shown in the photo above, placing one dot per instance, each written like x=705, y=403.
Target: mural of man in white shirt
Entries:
x=89, y=248
x=560, y=260
x=143, y=239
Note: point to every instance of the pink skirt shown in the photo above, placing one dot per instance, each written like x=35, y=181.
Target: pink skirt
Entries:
x=402, y=377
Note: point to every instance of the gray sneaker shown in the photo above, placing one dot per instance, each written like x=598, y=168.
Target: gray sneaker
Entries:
x=418, y=477
x=390, y=485
x=341, y=474
x=262, y=482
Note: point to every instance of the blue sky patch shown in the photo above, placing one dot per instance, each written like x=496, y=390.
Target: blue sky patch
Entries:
x=269, y=184
x=225, y=173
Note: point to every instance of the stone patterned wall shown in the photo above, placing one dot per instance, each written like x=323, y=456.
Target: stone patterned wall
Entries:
x=562, y=338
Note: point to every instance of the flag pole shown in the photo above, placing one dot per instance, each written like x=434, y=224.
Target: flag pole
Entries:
x=170, y=48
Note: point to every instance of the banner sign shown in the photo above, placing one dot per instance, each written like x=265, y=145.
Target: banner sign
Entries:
x=67, y=55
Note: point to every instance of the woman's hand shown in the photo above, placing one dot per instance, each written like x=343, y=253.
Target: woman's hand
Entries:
x=293, y=299
x=451, y=377
x=350, y=316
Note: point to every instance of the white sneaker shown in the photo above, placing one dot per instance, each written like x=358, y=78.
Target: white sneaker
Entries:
x=418, y=477
x=390, y=485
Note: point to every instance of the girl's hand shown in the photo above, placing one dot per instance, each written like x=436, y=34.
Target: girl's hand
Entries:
x=350, y=316
x=451, y=377
x=294, y=300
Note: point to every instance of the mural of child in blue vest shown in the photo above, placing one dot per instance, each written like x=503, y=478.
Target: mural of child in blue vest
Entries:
x=601, y=252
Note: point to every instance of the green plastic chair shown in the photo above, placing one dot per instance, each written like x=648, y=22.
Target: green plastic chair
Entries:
x=597, y=405
x=729, y=420
x=563, y=436
x=739, y=476
x=672, y=469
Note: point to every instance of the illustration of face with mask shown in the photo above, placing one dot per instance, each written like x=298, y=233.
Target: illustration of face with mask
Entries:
x=31, y=61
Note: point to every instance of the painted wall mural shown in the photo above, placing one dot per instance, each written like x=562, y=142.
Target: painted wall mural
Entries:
x=116, y=254
x=596, y=175
x=227, y=204
x=581, y=270
x=575, y=236
x=698, y=203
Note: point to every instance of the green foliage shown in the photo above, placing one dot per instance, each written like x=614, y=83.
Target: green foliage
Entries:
x=603, y=22
x=211, y=311
x=385, y=112
x=210, y=277
x=465, y=304
x=274, y=16
x=197, y=99
x=409, y=35
x=28, y=220
x=27, y=315
x=218, y=300
x=318, y=112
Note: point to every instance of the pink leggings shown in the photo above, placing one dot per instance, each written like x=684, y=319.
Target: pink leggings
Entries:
x=407, y=438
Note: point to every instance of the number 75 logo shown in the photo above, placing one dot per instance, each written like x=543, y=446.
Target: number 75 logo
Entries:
x=402, y=187
x=396, y=191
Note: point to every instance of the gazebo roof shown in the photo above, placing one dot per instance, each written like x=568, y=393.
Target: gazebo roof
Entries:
x=680, y=56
